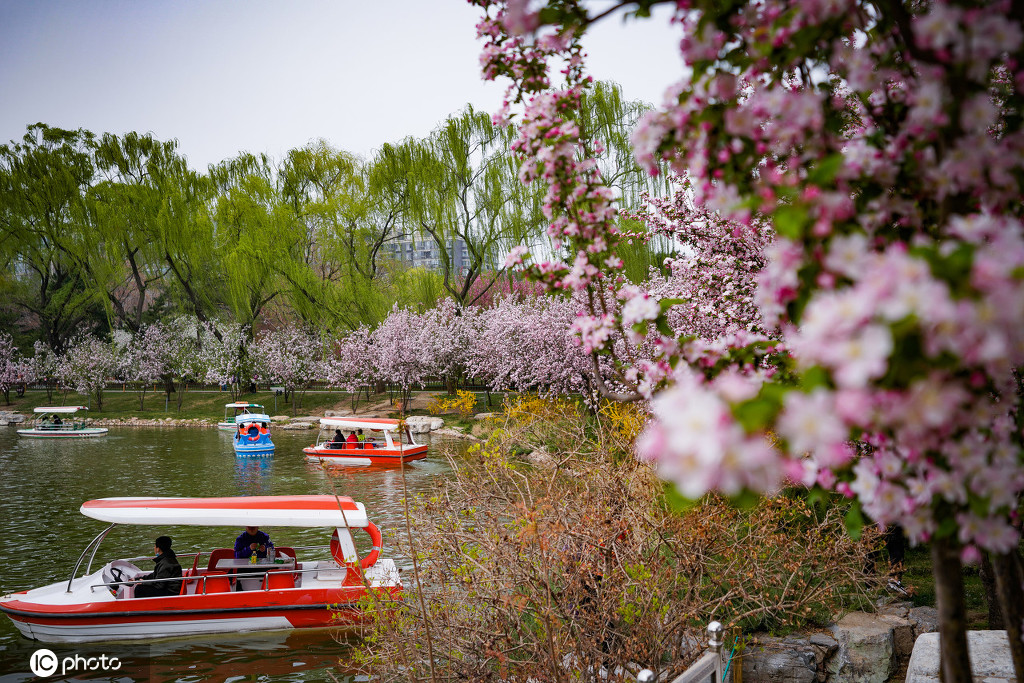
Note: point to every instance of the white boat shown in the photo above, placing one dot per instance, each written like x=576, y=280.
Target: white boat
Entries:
x=218, y=594
x=228, y=424
x=49, y=424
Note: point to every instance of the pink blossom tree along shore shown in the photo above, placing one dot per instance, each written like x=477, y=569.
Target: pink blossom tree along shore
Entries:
x=883, y=143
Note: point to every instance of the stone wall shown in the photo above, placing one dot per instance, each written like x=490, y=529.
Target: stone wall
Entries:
x=857, y=648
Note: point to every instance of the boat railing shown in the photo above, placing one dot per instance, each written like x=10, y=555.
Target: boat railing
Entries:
x=208, y=552
x=202, y=577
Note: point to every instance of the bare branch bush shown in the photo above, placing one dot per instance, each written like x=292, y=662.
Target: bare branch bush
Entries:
x=552, y=555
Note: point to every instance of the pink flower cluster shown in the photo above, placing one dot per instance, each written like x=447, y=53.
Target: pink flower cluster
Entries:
x=883, y=146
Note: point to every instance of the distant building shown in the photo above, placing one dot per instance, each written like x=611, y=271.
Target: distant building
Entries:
x=424, y=253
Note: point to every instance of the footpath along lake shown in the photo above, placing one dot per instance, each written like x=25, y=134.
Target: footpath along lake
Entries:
x=44, y=482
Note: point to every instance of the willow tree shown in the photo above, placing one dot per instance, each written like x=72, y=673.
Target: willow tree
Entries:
x=255, y=236
x=124, y=263
x=184, y=239
x=322, y=186
x=43, y=218
x=351, y=211
x=466, y=191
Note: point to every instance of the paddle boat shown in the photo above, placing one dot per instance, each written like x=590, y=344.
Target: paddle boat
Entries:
x=388, y=442
x=252, y=435
x=218, y=594
x=50, y=425
x=228, y=424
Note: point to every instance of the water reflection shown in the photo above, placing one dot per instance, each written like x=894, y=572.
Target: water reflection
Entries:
x=301, y=656
x=253, y=476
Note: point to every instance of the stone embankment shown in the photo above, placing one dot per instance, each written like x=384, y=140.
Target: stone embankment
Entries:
x=418, y=424
x=9, y=418
x=857, y=648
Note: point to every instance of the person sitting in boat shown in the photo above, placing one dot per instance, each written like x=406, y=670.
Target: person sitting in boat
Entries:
x=251, y=542
x=339, y=439
x=360, y=438
x=352, y=440
x=167, y=567
x=57, y=422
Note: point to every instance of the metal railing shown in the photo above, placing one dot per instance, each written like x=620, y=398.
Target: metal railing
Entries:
x=707, y=669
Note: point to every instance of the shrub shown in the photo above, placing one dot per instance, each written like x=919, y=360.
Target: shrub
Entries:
x=464, y=404
x=531, y=569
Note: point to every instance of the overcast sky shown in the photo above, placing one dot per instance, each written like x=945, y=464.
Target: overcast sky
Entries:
x=223, y=77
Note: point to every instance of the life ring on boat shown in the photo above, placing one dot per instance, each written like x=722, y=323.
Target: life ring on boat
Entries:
x=369, y=560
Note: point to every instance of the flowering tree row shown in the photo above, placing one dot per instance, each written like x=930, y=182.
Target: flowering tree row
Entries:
x=884, y=145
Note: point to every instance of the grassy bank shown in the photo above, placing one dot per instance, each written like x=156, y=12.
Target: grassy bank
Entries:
x=206, y=404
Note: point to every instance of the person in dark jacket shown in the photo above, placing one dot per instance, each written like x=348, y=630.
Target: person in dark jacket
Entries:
x=167, y=567
x=251, y=542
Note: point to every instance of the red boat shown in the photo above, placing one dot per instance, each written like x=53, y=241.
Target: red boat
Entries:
x=219, y=594
x=387, y=442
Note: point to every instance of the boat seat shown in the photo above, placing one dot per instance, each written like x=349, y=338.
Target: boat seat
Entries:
x=330, y=571
x=189, y=585
x=218, y=582
x=286, y=550
x=218, y=555
x=278, y=578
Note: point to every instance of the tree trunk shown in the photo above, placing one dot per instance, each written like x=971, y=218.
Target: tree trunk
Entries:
x=949, y=597
x=181, y=392
x=988, y=581
x=99, y=398
x=142, y=397
x=1009, y=580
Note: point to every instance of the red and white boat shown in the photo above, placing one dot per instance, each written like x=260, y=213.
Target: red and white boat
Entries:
x=387, y=442
x=217, y=595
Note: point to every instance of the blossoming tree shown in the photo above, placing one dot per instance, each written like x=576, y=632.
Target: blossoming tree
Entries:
x=883, y=142
x=292, y=356
x=144, y=358
x=13, y=368
x=85, y=366
x=402, y=355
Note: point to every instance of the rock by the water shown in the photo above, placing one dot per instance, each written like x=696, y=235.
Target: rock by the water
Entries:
x=925, y=620
x=866, y=649
x=297, y=426
x=8, y=417
x=423, y=424
x=991, y=660
x=280, y=418
x=780, y=660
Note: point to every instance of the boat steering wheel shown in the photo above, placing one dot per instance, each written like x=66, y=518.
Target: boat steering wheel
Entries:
x=117, y=574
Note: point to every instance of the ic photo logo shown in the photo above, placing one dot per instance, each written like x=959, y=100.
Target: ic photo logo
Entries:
x=45, y=663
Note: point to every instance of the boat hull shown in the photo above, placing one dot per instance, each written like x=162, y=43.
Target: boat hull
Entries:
x=70, y=434
x=43, y=615
x=227, y=426
x=260, y=451
x=180, y=621
x=358, y=457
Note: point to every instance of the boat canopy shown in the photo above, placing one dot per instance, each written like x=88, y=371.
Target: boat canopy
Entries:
x=243, y=405
x=59, y=409
x=358, y=423
x=252, y=417
x=238, y=511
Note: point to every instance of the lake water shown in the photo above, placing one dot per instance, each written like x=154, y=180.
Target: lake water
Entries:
x=42, y=533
